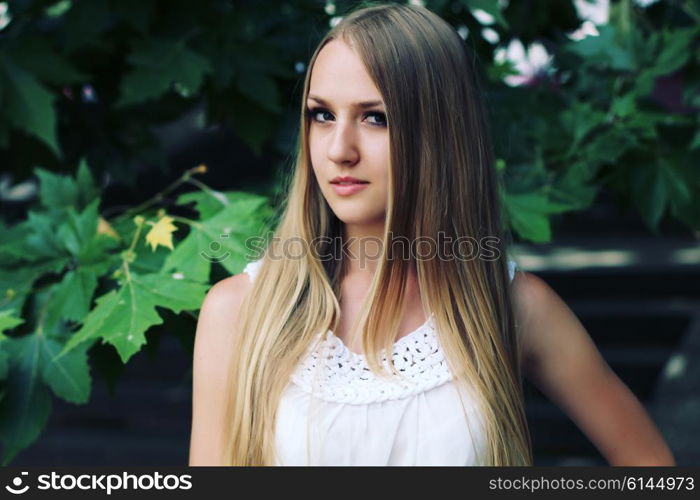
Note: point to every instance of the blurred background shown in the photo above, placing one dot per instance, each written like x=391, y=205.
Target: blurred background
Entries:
x=134, y=134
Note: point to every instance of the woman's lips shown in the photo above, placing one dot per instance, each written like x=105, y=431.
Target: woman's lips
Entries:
x=349, y=188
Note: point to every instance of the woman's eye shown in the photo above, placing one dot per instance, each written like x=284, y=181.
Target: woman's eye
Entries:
x=314, y=114
x=381, y=117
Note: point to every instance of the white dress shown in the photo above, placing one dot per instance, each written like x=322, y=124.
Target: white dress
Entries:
x=357, y=418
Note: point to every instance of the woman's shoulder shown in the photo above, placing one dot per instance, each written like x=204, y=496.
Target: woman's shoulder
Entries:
x=540, y=313
x=218, y=314
x=224, y=298
x=214, y=342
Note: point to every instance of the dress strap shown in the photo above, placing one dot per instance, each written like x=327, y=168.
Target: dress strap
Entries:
x=251, y=269
x=512, y=266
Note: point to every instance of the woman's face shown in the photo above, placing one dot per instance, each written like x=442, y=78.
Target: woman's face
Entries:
x=348, y=135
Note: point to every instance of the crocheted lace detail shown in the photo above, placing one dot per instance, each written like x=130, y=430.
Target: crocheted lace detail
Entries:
x=333, y=372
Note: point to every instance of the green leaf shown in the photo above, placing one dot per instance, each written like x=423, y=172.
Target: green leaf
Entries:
x=60, y=191
x=16, y=284
x=49, y=239
x=534, y=226
x=45, y=262
x=253, y=81
x=86, y=188
x=221, y=238
x=689, y=213
x=8, y=321
x=187, y=257
x=603, y=50
x=231, y=56
x=26, y=406
x=96, y=254
x=529, y=213
x=122, y=316
x=675, y=49
x=7, y=233
x=624, y=105
x=4, y=365
x=38, y=57
x=210, y=202
x=28, y=105
x=79, y=228
x=43, y=242
x=73, y=295
x=644, y=82
x=158, y=64
x=695, y=143
x=194, y=255
x=677, y=185
x=260, y=89
x=55, y=190
x=207, y=203
x=575, y=188
x=580, y=118
x=58, y=9
x=67, y=376
x=650, y=192
x=605, y=147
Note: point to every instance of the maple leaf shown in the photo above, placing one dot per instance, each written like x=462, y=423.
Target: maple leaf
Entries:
x=161, y=233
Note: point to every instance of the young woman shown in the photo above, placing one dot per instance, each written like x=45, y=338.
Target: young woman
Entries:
x=290, y=363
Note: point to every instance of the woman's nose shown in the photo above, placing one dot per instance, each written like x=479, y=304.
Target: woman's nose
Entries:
x=343, y=143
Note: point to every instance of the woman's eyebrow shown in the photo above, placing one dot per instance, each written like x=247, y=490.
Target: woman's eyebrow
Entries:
x=363, y=105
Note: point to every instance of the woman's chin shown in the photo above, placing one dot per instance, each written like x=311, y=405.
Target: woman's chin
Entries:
x=359, y=219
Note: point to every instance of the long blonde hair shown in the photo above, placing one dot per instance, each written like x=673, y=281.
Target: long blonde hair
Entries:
x=439, y=143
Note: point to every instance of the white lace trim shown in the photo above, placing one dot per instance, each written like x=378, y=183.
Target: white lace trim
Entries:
x=333, y=372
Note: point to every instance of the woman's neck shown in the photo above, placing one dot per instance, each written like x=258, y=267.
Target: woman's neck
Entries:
x=362, y=248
